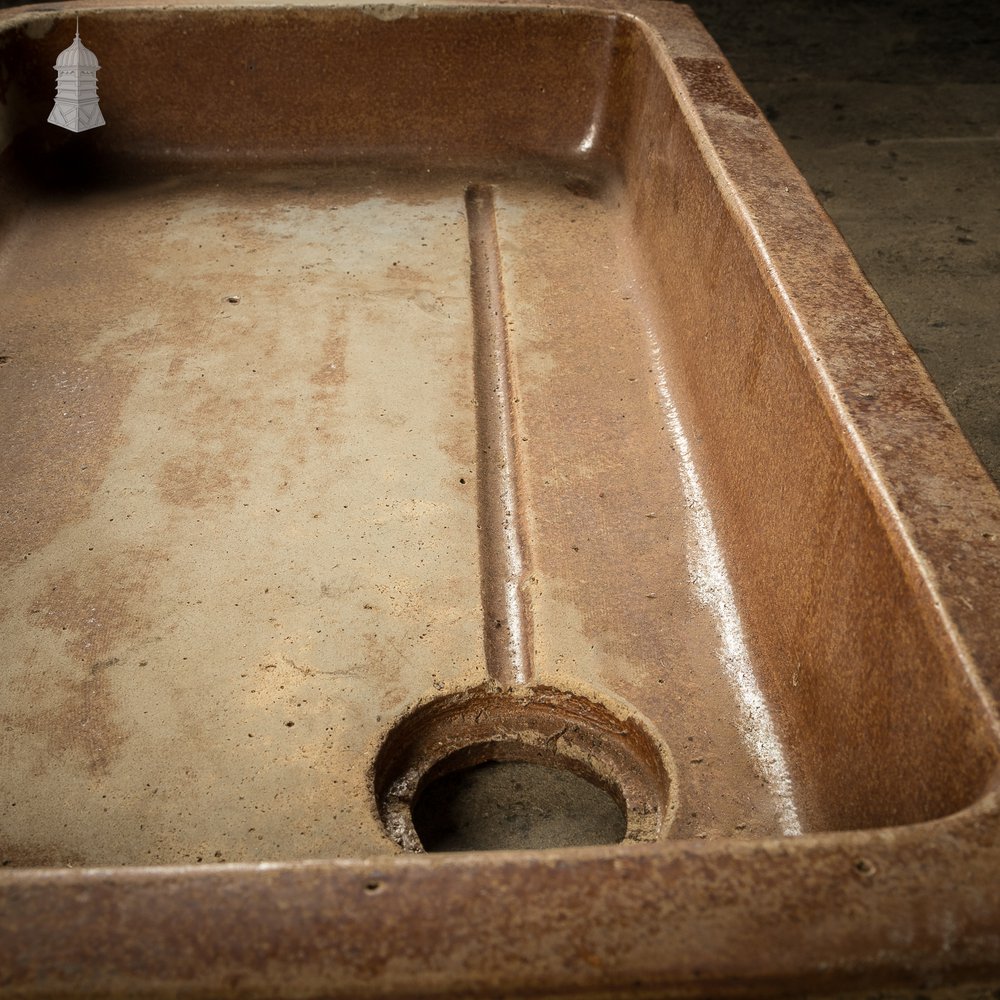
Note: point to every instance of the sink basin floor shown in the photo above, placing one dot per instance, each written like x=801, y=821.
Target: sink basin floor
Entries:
x=238, y=483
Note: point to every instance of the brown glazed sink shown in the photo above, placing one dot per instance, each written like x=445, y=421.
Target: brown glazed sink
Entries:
x=391, y=390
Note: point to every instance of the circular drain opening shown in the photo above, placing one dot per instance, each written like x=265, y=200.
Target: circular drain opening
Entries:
x=447, y=775
x=515, y=805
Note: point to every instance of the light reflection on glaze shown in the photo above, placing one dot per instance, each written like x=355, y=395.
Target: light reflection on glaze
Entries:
x=711, y=582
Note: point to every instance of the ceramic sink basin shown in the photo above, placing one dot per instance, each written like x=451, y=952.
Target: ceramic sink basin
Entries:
x=389, y=391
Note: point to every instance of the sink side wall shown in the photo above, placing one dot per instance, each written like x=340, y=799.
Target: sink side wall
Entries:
x=880, y=723
x=433, y=87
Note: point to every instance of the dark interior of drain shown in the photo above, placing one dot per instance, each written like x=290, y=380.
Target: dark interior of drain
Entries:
x=515, y=805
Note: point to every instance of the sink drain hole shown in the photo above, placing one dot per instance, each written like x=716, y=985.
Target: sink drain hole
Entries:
x=515, y=805
x=527, y=769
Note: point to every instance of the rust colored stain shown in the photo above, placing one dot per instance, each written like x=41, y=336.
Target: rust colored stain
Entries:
x=459, y=384
x=333, y=372
x=58, y=437
x=85, y=723
x=92, y=608
x=195, y=481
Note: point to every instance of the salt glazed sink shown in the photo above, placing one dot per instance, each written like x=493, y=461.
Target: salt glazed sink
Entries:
x=391, y=390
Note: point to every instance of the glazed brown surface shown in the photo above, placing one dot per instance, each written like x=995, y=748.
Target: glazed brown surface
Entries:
x=468, y=384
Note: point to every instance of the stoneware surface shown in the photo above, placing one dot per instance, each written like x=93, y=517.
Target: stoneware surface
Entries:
x=388, y=391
